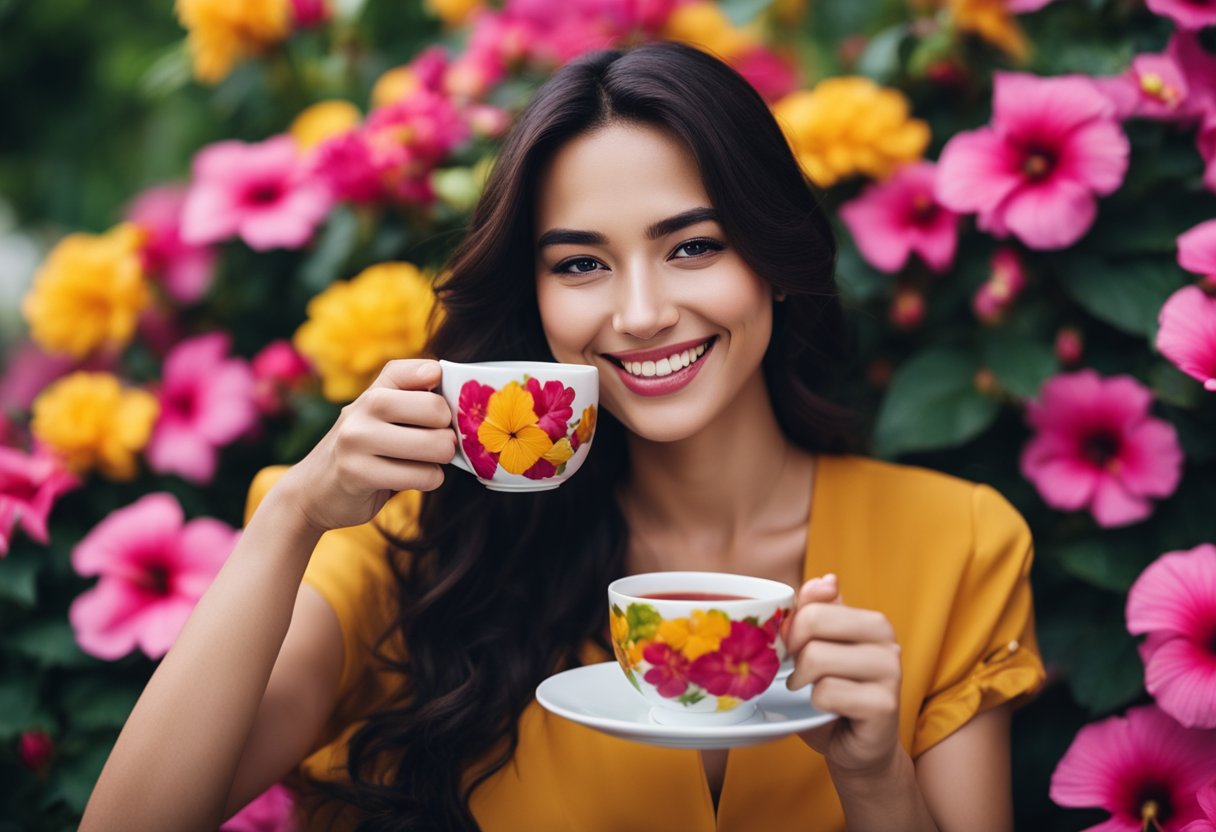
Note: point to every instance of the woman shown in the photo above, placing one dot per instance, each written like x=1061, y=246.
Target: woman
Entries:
x=645, y=204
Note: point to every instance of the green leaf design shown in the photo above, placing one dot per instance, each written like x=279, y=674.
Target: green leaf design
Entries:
x=691, y=696
x=643, y=621
x=754, y=620
x=633, y=680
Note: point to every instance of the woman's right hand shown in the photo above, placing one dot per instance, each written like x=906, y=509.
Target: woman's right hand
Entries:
x=395, y=437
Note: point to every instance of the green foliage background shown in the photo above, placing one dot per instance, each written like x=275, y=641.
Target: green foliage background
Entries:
x=99, y=105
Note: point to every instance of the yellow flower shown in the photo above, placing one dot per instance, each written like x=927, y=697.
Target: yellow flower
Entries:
x=92, y=422
x=452, y=12
x=323, y=120
x=394, y=85
x=355, y=327
x=695, y=636
x=990, y=20
x=222, y=32
x=560, y=452
x=726, y=703
x=89, y=292
x=510, y=429
x=850, y=125
x=704, y=25
x=586, y=425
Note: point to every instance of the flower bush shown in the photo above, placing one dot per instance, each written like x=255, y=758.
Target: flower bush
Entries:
x=240, y=207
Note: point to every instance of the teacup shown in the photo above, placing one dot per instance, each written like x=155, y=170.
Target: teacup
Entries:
x=701, y=647
x=522, y=425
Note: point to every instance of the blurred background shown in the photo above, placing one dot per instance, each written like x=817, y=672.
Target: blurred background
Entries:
x=218, y=220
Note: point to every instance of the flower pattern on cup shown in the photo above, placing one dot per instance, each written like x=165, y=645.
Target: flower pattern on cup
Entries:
x=523, y=427
x=705, y=654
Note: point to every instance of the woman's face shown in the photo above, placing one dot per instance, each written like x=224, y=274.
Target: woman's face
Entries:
x=634, y=276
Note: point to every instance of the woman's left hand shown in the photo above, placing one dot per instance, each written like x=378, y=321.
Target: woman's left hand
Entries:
x=851, y=657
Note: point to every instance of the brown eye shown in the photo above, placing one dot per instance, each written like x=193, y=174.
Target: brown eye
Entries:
x=577, y=265
x=696, y=248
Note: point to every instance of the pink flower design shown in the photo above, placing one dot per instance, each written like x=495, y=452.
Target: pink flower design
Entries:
x=1174, y=602
x=1096, y=447
x=29, y=486
x=1187, y=333
x=669, y=673
x=552, y=406
x=1137, y=766
x=271, y=811
x=1006, y=281
x=1186, y=14
x=1053, y=144
x=206, y=402
x=743, y=666
x=185, y=270
x=1152, y=87
x=1207, y=804
x=262, y=192
x=470, y=413
x=891, y=220
x=153, y=568
x=772, y=627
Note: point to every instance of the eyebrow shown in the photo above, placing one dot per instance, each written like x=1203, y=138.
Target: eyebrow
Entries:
x=567, y=236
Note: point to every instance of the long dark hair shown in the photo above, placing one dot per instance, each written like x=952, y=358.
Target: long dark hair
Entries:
x=496, y=590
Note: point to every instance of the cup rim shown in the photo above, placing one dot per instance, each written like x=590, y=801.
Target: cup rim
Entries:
x=727, y=583
x=536, y=367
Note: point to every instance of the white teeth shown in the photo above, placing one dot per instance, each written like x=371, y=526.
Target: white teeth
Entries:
x=664, y=366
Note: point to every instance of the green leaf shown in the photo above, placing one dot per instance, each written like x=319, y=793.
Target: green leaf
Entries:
x=19, y=577
x=19, y=708
x=643, y=621
x=1100, y=564
x=858, y=281
x=1175, y=387
x=334, y=247
x=1106, y=672
x=932, y=403
x=50, y=643
x=74, y=776
x=1127, y=294
x=98, y=702
x=1020, y=363
x=879, y=61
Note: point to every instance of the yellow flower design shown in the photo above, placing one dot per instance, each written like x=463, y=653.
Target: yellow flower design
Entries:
x=222, y=32
x=850, y=125
x=92, y=422
x=355, y=327
x=695, y=636
x=323, y=120
x=586, y=425
x=89, y=292
x=510, y=430
x=560, y=452
x=726, y=703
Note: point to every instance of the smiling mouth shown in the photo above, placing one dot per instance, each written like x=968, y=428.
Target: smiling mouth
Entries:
x=665, y=366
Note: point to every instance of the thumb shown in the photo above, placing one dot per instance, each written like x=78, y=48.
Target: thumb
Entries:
x=825, y=590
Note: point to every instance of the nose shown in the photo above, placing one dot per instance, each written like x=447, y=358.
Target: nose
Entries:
x=643, y=305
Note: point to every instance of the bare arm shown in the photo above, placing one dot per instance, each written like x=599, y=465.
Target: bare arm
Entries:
x=966, y=778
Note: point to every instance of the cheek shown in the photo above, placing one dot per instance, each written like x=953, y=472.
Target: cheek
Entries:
x=568, y=318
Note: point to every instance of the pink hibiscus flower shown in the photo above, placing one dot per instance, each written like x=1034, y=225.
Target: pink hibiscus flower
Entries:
x=1198, y=67
x=1174, y=602
x=1207, y=804
x=1139, y=767
x=891, y=220
x=1152, y=87
x=669, y=673
x=1197, y=249
x=743, y=666
x=1054, y=143
x=29, y=486
x=27, y=370
x=271, y=811
x=153, y=568
x=206, y=402
x=470, y=413
x=263, y=192
x=35, y=749
x=997, y=294
x=278, y=369
x=1186, y=14
x=771, y=75
x=184, y=270
x=345, y=163
x=1187, y=333
x=1096, y=447
x=409, y=138
x=552, y=406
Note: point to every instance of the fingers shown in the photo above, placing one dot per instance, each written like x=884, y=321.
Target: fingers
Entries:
x=409, y=374
x=821, y=660
x=361, y=438
x=836, y=622
x=407, y=407
x=855, y=700
x=381, y=474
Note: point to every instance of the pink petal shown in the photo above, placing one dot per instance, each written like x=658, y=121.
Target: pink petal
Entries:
x=1096, y=156
x=1089, y=769
x=1124, y=401
x=873, y=220
x=1062, y=398
x=225, y=403
x=1050, y=214
x=1181, y=675
x=117, y=543
x=202, y=548
x=1045, y=109
x=1187, y=14
x=1175, y=594
x=937, y=243
x=1024, y=6
x=1122, y=92
x=976, y=171
x=195, y=357
x=188, y=276
x=1151, y=461
x=101, y=618
x=1114, y=505
x=210, y=214
x=178, y=449
x=1065, y=483
x=271, y=811
x=1207, y=800
x=158, y=624
x=1197, y=249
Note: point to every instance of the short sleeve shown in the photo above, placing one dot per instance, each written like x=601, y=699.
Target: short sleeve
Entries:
x=990, y=655
x=350, y=569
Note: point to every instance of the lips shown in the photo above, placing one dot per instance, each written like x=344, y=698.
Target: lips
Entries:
x=643, y=376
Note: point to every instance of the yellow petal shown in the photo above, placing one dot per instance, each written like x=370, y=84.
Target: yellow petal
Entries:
x=560, y=452
x=521, y=450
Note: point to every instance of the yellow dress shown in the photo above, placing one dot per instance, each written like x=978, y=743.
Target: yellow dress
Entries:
x=946, y=560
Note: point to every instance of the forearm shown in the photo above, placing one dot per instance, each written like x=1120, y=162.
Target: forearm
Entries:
x=889, y=800
x=174, y=761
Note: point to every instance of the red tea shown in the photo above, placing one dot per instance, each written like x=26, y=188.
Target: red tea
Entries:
x=694, y=596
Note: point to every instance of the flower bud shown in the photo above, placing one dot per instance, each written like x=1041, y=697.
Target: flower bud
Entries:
x=1070, y=346
x=35, y=749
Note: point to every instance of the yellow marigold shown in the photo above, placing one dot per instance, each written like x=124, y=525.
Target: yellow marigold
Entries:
x=354, y=327
x=222, y=32
x=850, y=125
x=452, y=12
x=697, y=635
x=89, y=292
x=704, y=25
x=991, y=21
x=323, y=120
x=92, y=422
x=396, y=84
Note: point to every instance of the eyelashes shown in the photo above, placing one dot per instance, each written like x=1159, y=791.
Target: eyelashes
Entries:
x=688, y=250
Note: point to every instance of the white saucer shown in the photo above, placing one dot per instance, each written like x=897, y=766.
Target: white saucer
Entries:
x=599, y=696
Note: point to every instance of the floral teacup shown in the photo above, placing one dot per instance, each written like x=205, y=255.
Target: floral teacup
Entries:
x=699, y=646
x=522, y=425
